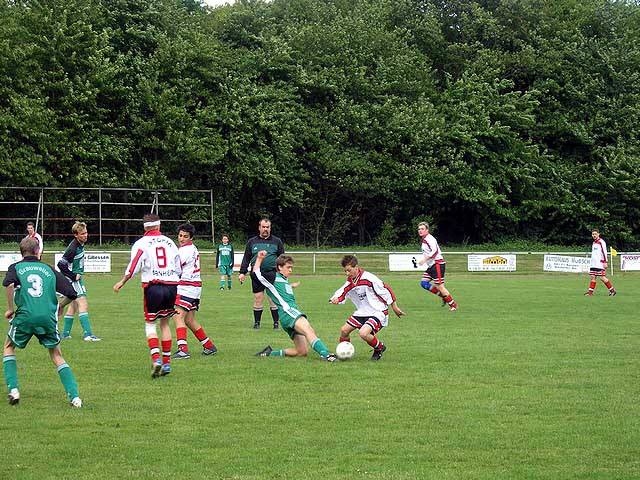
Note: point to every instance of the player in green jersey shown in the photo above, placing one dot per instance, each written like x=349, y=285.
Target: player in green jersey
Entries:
x=293, y=321
x=32, y=311
x=72, y=266
x=224, y=261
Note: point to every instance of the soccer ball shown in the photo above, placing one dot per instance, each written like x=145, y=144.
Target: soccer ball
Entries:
x=345, y=350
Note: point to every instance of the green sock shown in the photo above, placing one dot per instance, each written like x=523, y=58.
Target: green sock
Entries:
x=229, y=282
x=86, y=324
x=68, y=381
x=10, y=368
x=277, y=353
x=221, y=283
x=319, y=347
x=68, y=323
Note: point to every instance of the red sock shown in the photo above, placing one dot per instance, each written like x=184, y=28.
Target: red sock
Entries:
x=203, y=339
x=608, y=284
x=592, y=286
x=166, y=351
x=154, y=348
x=435, y=290
x=181, y=337
x=343, y=339
x=375, y=343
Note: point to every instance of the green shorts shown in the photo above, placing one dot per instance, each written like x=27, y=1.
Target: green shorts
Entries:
x=79, y=287
x=44, y=329
x=226, y=270
x=288, y=320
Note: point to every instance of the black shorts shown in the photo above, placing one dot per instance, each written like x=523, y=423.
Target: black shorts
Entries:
x=159, y=299
x=435, y=273
x=257, y=286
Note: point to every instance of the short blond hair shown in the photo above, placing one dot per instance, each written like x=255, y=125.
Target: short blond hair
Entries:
x=78, y=227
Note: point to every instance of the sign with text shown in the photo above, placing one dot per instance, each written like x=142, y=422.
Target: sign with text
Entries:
x=6, y=259
x=629, y=262
x=404, y=262
x=565, y=263
x=491, y=263
x=93, y=262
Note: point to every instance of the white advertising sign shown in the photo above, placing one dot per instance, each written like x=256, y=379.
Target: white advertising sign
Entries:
x=237, y=261
x=491, y=263
x=564, y=263
x=93, y=262
x=7, y=259
x=629, y=262
x=403, y=262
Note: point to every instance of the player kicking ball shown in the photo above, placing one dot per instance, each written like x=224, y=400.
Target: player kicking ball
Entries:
x=292, y=320
x=372, y=299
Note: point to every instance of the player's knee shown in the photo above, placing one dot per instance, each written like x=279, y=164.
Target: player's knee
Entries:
x=426, y=285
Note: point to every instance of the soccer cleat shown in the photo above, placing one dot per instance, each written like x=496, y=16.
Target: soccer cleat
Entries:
x=91, y=338
x=222, y=289
x=588, y=294
x=256, y=326
x=330, y=358
x=180, y=354
x=265, y=352
x=377, y=353
x=453, y=308
x=166, y=369
x=65, y=337
x=76, y=402
x=229, y=287
x=612, y=293
x=276, y=326
x=210, y=351
x=14, y=396
x=155, y=369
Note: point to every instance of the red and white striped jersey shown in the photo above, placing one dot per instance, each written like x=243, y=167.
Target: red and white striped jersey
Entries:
x=431, y=250
x=37, y=236
x=599, y=254
x=190, y=284
x=370, y=295
x=157, y=258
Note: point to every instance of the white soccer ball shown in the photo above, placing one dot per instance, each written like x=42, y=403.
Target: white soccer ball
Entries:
x=345, y=350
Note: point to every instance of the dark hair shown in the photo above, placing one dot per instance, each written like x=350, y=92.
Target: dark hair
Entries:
x=283, y=259
x=350, y=260
x=187, y=227
x=31, y=224
x=264, y=219
x=150, y=217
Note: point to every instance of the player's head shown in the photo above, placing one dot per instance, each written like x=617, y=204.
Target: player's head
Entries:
x=29, y=247
x=595, y=234
x=284, y=264
x=423, y=229
x=31, y=227
x=225, y=238
x=186, y=232
x=79, y=231
x=264, y=227
x=151, y=221
x=350, y=266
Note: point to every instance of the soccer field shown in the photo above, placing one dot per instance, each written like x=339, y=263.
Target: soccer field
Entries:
x=528, y=380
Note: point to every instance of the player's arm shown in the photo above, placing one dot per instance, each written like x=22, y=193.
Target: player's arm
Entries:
x=280, y=248
x=396, y=309
x=218, y=258
x=231, y=259
x=340, y=296
x=133, y=267
x=10, y=280
x=10, y=307
x=65, y=288
x=66, y=263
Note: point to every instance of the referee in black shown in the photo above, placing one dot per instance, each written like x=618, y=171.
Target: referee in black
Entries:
x=274, y=247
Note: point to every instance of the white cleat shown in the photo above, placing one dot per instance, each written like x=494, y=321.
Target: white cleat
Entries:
x=14, y=396
x=76, y=402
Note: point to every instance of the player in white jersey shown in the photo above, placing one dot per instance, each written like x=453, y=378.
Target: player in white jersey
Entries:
x=598, y=265
x=188, y=298
x=432, y=257
x=31, y=232
x=372, y=298
x=158, y=260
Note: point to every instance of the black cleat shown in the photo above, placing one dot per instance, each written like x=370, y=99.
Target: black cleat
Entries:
x=256, y=326
x=265, y=352
x=612, y=293
x=210, y=351
x=329, y=358
x=276, y=326
x=377, y=353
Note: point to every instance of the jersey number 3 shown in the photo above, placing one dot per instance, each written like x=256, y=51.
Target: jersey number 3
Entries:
x=36, y=285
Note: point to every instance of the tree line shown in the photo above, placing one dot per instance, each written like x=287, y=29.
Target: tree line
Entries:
x=345, y=121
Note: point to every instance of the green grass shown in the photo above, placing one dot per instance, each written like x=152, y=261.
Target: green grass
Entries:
x=529, y=380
